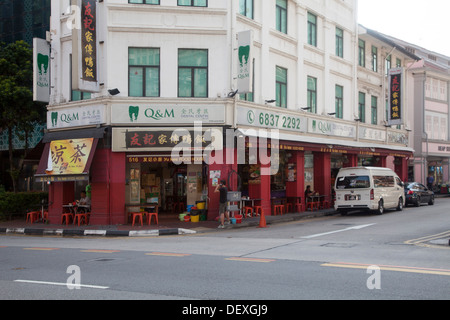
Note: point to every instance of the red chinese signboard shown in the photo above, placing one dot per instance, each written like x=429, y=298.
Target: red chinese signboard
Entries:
x=395, y=96
x=89, y=40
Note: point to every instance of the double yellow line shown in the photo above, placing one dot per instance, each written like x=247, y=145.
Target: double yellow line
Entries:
x=423, y=242
x=442, y=272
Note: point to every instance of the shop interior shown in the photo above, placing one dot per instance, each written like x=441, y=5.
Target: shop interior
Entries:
x=173, y=188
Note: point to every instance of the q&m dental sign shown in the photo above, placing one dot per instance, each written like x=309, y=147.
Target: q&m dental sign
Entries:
x=76, y=117
x=167, y=114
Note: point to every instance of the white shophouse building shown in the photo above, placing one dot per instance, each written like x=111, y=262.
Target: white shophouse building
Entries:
x=164, y=64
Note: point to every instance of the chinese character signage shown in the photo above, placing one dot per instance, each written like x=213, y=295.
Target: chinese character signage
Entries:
x=69, y=156
x=41, y=70
x=84, y=47
x=245, y=62
x=164, y=139
x=75, y=117
x=395, y=97
x=165, y=113
x=89, y=40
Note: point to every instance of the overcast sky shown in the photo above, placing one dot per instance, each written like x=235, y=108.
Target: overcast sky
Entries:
x=425, y=23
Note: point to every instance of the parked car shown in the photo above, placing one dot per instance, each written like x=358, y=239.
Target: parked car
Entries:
x=368, y=188
x=416, y=194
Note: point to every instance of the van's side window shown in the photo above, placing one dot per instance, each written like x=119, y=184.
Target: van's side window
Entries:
x=383, y=181
x=399, y=182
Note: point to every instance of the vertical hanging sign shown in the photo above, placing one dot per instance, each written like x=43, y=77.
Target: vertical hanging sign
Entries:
x=395, y=96
x=41, y=70
x=245, y=62
x=84, y=55
x=89, y=40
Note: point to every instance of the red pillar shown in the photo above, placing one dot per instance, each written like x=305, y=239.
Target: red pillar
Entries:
x=382, y=162
x=108, y=188
x=297, y=188
x=401, y=168
x=262, y=190
x=322, y=174
x=352, y=161
x=60, y=193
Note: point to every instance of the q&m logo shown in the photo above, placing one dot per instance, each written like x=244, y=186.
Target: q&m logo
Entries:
x=151, y=113
x=63, y=117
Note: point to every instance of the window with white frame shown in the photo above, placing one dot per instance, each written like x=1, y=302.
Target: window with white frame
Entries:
x=436, y=126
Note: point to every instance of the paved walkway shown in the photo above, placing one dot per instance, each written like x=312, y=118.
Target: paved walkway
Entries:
x=166, y=226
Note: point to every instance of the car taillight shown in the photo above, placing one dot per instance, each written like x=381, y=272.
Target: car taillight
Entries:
x=410, y=192
x=372, y=194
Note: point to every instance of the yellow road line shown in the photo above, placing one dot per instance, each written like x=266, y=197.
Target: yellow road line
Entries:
x=422, y=241
x=166, y=254
x=100, y=251
x=442, y=272
x=251, y=260
x=41, y=249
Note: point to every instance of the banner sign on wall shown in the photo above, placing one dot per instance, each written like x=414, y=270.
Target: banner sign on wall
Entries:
x=69, y=156
x=85, y=44
x=395, y=96
x=245, y=62
x=41, y=70
x=75, y=117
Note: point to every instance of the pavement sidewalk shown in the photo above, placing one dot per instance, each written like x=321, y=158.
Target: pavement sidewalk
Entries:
x=166, y=226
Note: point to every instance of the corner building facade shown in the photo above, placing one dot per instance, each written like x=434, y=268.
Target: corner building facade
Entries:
x=172, y=64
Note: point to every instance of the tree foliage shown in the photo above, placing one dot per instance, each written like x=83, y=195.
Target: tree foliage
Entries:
x=17, y=109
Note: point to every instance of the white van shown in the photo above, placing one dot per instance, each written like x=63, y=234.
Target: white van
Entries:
x=368, y=188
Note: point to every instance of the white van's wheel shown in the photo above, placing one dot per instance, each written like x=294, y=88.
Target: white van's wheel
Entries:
x=380, y=210
x=400, y=204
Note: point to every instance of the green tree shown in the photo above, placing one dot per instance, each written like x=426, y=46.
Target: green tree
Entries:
x=17, y=109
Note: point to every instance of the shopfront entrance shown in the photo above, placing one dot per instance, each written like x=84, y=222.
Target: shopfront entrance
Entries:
x=156, y=180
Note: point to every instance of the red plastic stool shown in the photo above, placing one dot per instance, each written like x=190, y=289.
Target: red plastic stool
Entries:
x=258, y=210
x=32, y=216
x=67, y=217
x=79, y=217
x=248, y=210
x=278, y=209
x=150, y=215
x=288, y=207
x=299, y=207
x=139, y=215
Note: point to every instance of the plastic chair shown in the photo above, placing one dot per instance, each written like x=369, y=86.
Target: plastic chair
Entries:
x=79, y=217
x=139, y=216
x=150, y=215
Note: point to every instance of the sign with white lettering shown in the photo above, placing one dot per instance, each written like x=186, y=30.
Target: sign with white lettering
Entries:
x=134, y=114
x=331, y=128
x=272, y=120
x=75, y=117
